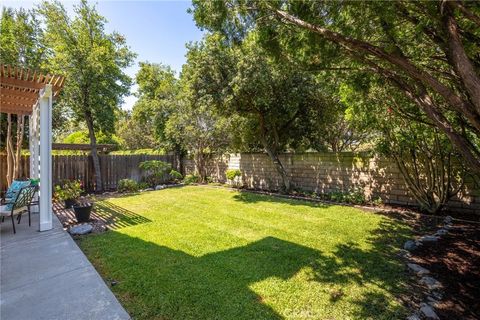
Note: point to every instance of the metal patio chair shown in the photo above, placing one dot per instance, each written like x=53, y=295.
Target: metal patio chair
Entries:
x=20, y=205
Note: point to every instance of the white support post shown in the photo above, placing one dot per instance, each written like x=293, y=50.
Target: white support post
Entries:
x=34, y=150
x=45, y=104
x=34, y=143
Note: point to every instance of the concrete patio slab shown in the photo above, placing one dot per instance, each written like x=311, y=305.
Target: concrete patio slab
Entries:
x=45, y=275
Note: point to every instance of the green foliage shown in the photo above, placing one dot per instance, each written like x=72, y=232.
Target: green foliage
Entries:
x=191, y=178
x=133, y=134
x=82, y=137
x=355, y=196
x=68, y=190
x=91, y=60
x=377, y=202
x=157, y=91
x=143, y=185
x=175, y=175
x=231, y=174
x=139, y=151
x=412, y=49
x=127, y=185
x=156, y=171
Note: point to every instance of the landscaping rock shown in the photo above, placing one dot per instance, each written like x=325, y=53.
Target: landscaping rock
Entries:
x=418, y=270
x=404, y=253
x=81, y=229
x=432, y=301
x=160, y=187
x=410, y=245
x=448, y=219
x=437, y=295
x=441, y=232
x=413, y=317
x=431, y=283
x=428, y=239
x=148, y=189
x=428, y=312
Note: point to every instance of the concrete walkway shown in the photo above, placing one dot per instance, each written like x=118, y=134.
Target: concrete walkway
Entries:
x=45, y=275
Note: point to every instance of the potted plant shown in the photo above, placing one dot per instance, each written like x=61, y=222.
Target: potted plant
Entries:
x=69, y=191
x=82, y=211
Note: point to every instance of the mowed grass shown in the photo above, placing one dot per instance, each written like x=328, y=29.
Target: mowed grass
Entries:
x=208, y=253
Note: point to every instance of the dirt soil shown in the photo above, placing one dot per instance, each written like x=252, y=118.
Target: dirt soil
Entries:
x=455, y=261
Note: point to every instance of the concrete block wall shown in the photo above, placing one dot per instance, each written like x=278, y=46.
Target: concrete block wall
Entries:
x=328, y=172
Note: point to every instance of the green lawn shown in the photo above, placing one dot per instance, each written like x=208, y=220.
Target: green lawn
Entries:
x=206, y=253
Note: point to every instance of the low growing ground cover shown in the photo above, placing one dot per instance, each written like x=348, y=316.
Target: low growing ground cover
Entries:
x=205, y=253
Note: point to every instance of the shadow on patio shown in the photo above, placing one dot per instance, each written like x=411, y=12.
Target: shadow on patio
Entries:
x=104, y=213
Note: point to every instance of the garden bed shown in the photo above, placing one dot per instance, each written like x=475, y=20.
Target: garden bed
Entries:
x=455, y=261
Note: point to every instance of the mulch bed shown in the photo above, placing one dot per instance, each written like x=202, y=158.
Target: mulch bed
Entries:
x=68, y=220
x=455, y=261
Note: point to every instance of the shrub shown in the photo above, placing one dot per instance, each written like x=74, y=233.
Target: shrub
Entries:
x=233, y=173
x=191, y=178
x=143, y=185
x=175, y=175
x=156, y=171
x=68, y=189
x=377, y=201
x=127, y=185
x=353, y=196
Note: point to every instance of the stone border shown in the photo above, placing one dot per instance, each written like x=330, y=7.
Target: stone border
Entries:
x=433, y=289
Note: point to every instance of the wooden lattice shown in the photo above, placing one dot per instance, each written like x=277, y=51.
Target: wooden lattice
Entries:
x=19, y=88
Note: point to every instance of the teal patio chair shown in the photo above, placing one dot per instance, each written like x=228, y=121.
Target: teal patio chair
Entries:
x=14, y=188
x=19, y=205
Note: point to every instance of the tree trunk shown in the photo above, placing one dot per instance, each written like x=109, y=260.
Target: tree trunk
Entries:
x=200, y=166
x=93, y=148
x=273, y=154
x=280, y=168
x=459, y=60
x=9, y=149
x=177, y=159
x=17, y=165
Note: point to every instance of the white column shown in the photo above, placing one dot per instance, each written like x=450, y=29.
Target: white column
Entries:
x=34, y=154
x=34, y=143
x=45, y=104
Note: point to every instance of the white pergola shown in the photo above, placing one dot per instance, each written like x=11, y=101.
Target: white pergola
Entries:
x=26, y=92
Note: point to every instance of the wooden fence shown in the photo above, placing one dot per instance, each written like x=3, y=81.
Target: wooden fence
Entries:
x=113, y=168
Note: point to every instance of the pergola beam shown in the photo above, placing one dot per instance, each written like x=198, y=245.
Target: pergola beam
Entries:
x=25, y=84
x=18, y=100
x=19, y=92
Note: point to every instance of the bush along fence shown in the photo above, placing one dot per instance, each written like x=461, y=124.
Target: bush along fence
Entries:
x=113, y=167
x=331, y=173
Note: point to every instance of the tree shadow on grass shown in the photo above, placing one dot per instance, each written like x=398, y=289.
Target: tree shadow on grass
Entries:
x=158, y=282
x=116, y=217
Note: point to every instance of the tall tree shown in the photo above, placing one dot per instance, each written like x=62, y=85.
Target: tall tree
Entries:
x=277, y=101
x=20, y=45
x=92, y=61
x=157, y=90
x=192, y=119
x=427, y=50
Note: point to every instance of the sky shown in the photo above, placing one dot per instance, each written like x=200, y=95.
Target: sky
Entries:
x=156, y=30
